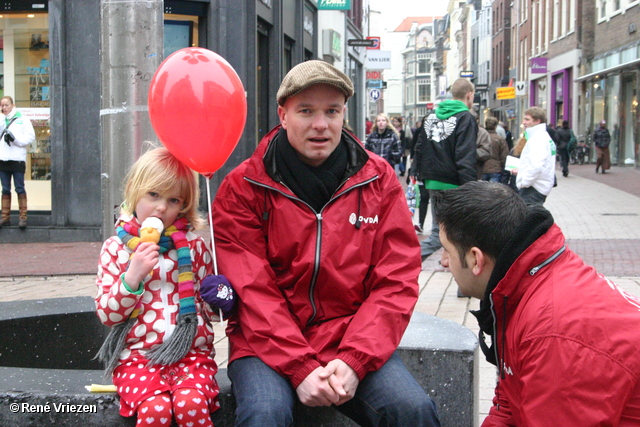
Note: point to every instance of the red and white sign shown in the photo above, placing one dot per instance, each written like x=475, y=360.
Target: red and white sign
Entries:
x=373, y=75
x=376, y=44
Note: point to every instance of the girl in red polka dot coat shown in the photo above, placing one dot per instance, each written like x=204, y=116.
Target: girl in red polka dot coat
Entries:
x=160, y=347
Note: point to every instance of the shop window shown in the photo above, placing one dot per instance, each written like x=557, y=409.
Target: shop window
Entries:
x=24, y=75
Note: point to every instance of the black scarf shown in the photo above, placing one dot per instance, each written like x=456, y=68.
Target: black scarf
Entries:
x=314, y=185
x=536, y=223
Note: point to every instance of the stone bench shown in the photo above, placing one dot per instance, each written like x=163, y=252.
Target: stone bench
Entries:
x=46, y=348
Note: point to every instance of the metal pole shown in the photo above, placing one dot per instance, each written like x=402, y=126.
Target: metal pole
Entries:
x=131, y=51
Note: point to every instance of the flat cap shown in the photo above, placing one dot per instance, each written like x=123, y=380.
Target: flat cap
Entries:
x=310, y=73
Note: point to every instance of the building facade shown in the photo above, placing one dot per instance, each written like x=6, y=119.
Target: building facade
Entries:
x=54, y=68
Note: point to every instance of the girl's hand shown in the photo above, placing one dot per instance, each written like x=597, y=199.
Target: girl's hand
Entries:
x=142, y=262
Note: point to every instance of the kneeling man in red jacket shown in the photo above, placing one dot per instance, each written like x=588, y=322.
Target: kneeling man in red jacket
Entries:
x=565, y=339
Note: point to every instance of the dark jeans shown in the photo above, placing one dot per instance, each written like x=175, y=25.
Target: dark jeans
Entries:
x=531, y=196
x=491, y=177
x=18, y=182
x=389, y=396
x=431, y=243
x=424, y=205
x=564, y=160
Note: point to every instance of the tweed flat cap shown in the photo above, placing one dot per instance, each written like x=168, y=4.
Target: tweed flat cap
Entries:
x=313, y=72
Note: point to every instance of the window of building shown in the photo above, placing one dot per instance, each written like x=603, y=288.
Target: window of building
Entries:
x=616, y=5
x=424, y=90
x=24, y=75
x=603, y=9
x=424, y=64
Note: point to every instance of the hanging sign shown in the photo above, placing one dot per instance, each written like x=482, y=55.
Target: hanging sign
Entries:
x=334, y=4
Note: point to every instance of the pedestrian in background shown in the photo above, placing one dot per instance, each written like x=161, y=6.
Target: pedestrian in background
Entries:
x=446, y=151
x=565, y=137
x=384, y=140
x=424, y=193
x=536, y=172
x=602, y=139
x=509, y=177
x=565, y=339
x=483, y=147
x=405, y=136
x=494, y=166
x=508, y=135
x=16, y=133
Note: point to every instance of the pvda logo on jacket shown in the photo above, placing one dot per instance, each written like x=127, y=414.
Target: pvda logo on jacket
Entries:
x=367, y=220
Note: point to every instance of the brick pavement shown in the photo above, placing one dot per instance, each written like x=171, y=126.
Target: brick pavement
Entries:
x=599, y=218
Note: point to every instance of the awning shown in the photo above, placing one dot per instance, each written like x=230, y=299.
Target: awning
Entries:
x=510, y=106
x=630, y=64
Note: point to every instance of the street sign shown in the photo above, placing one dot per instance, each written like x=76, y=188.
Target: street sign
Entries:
x=374, y=94
x=481, y=87
x=467, y=74
x=362, y=42
x=508, y=92
x=374, y=84
x=373, y=75
x=376, y=44
x=378, y=59
x=521, y=88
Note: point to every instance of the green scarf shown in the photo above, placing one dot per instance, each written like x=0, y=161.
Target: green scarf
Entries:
x=450, y=107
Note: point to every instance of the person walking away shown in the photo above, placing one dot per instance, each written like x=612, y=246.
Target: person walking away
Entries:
x=494, y=166
x=509, y=177
x=384, y=140
x=565, y=136
x=446, y=151
x=536, y=174
x=159, y=351
x=320, y=229
x=424, y=193
x=602, y=139
x=16, y=133
x=483, y=148
x=405, y=136
x=565, y=339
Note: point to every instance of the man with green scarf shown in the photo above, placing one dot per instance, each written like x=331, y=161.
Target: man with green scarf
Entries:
x=446, y=151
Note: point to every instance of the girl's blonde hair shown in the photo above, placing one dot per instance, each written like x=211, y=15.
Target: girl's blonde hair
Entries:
x=374, y=126
x=159, y=171
x=517, y=150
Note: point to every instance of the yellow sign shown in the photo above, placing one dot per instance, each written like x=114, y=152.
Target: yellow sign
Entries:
x=508, y=92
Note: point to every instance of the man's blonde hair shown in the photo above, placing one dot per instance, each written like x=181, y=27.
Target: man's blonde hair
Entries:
x=159, y=171
x=536, y=113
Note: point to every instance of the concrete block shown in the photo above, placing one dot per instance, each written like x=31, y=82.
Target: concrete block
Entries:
x=38, y=377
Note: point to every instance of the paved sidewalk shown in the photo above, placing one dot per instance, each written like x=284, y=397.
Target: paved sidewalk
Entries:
x=601, y=223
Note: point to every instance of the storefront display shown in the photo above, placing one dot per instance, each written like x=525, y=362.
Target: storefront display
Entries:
x=24, y=75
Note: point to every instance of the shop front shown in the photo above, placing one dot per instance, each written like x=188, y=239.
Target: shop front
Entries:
x=24, y=76
x=611, y=94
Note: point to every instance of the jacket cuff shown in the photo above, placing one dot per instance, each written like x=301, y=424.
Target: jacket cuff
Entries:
x=354, y=364
x=304, y=372
x=128, y=288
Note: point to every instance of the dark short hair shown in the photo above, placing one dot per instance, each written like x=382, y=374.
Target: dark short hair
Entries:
x=491, y=123
x=565, y=124
x=480, y=214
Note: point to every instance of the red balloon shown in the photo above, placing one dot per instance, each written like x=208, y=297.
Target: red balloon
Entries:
x=198, y=108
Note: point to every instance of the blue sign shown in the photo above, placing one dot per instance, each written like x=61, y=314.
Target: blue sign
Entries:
x=374, y=94
x=374, y=84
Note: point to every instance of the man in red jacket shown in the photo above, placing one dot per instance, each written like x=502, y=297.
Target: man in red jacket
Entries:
x=315, y=235
x=565, y=339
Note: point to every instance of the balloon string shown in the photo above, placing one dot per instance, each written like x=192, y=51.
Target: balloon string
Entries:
x=213, y=244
